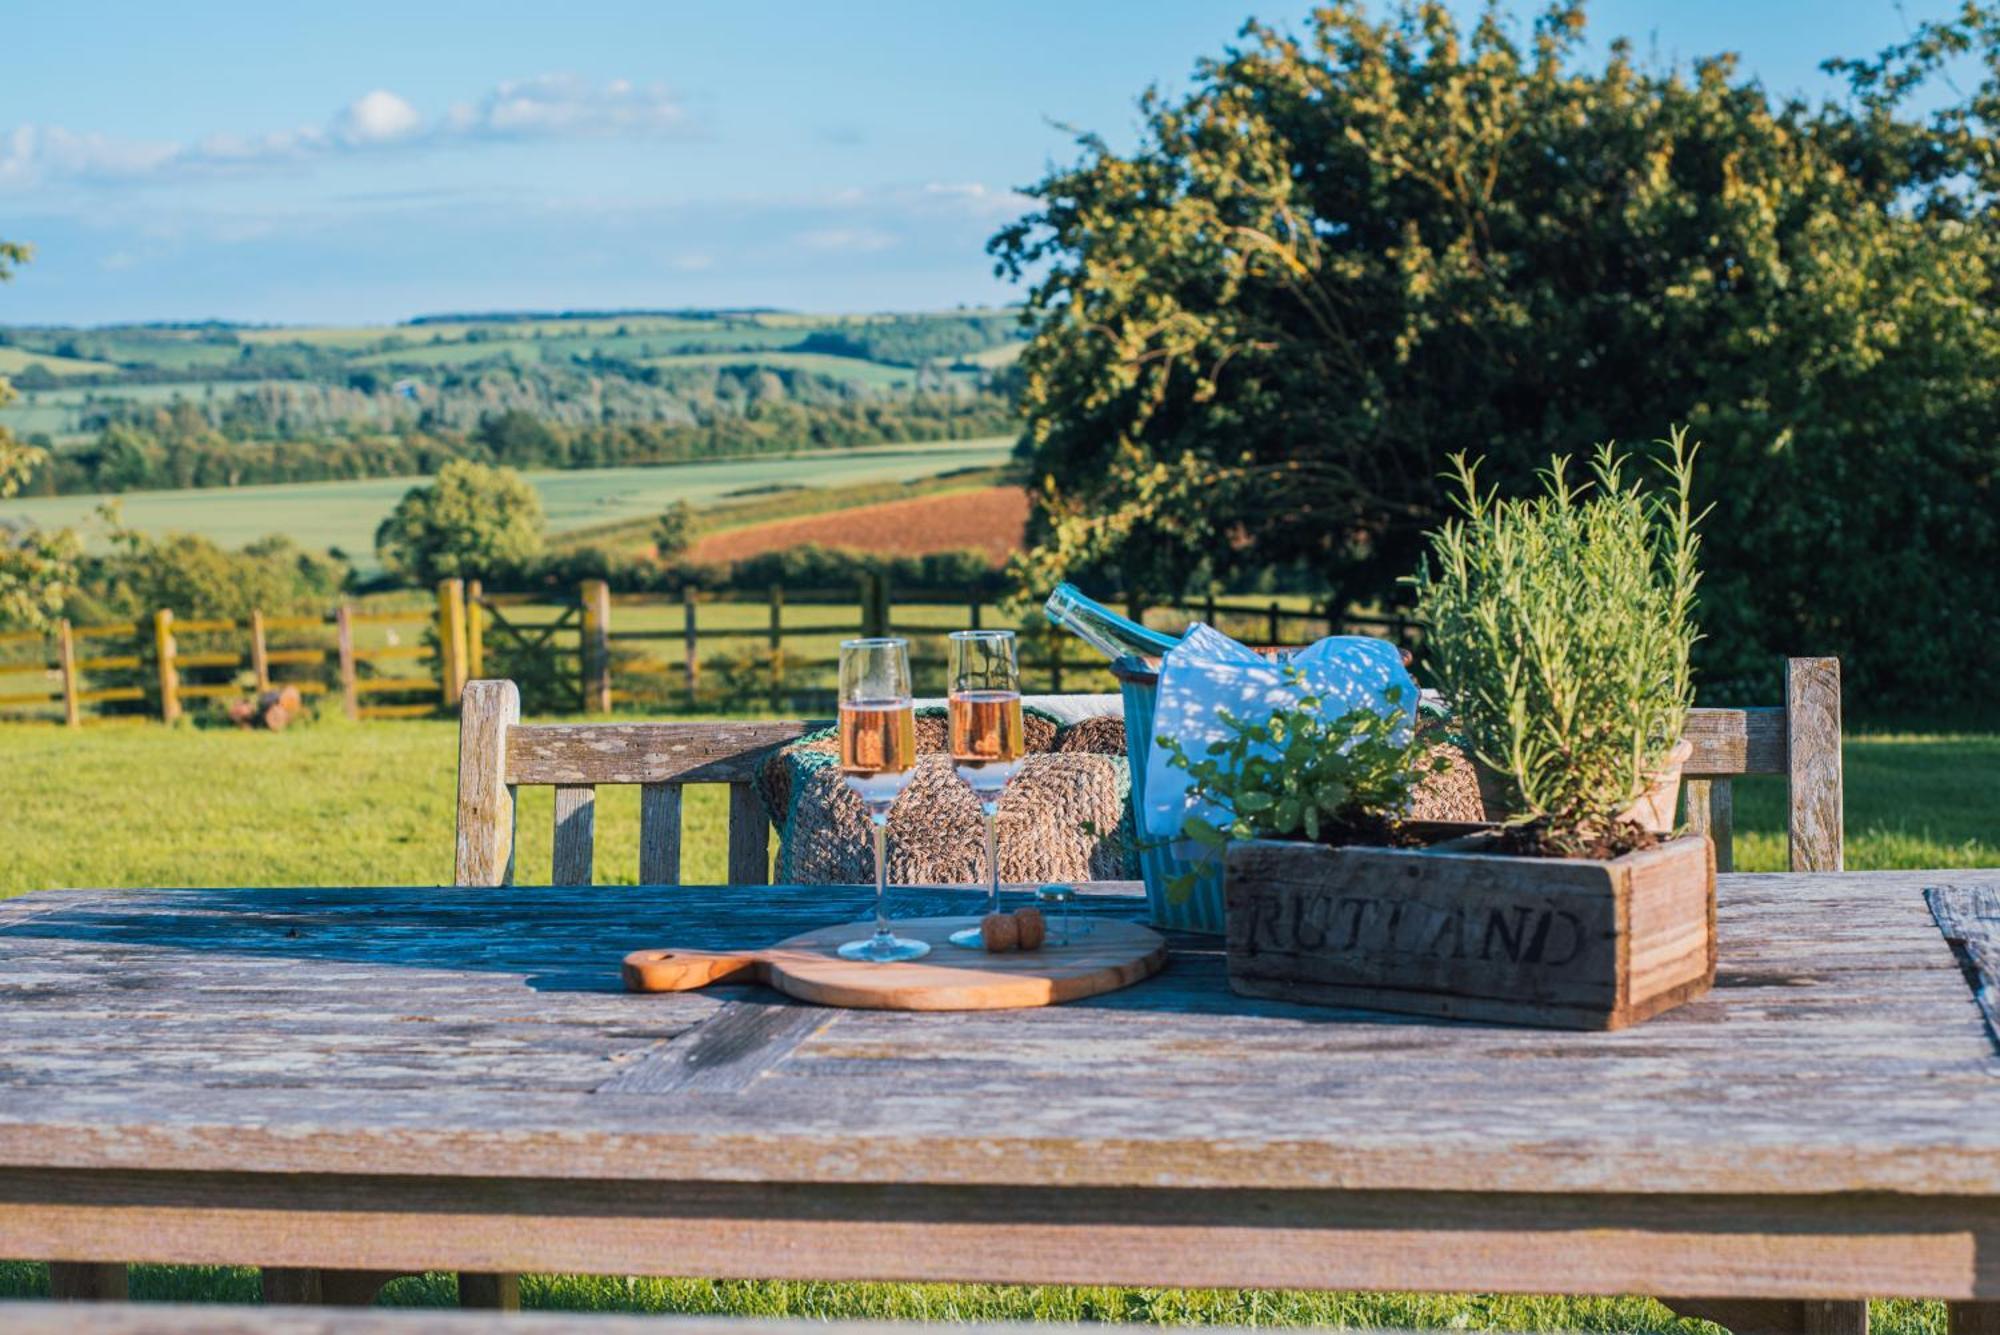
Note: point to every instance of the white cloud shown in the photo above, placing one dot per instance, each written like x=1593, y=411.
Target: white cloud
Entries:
x=846, y=240
x=378, y=117
x=562, y=104
x=28, y=152
x=550, y=106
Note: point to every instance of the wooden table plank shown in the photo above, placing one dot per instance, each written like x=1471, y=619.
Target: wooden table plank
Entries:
x=449, y=1078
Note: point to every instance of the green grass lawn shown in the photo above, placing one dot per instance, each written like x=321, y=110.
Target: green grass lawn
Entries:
x=332, y=802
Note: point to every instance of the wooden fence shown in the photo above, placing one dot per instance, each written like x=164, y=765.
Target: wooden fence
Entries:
x=386, y=663
x=590, y=653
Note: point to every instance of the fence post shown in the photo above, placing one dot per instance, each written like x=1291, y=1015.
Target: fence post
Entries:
x=475, y=630
x=350, y=699
x=692, y=641
x=777, y=644
x=451, y=640
x=875, y=604
x=1276, y=632
x=1055, y=663
x=163, y=654
x=66, y=650
x=260, y=665
x=1208, y=611
x=595, y=650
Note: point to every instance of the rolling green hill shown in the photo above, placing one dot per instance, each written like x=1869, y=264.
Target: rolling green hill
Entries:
x=146, y=408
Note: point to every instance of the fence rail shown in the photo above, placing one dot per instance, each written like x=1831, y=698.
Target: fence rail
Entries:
x=591, y=652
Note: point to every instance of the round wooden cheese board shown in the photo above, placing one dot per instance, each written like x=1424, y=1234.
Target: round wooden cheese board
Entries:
x=1110, y=956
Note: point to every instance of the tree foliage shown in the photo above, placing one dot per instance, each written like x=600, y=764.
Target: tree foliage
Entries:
x=17, y=461
x=472, y=521
x=37, y=568
x=673, y=531
x=1348, y=253
x=192, y=575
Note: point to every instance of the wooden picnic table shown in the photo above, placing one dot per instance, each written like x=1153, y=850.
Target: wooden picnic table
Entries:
x=405, y=1079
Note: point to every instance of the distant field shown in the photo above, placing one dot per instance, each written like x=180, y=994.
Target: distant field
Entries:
x=990, y=518
x=345, y=514
x=13, y=361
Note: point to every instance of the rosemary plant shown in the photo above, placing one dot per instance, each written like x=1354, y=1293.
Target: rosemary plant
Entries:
x=1559, y=629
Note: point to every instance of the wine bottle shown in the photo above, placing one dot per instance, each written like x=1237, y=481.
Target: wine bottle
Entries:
x=1101, y=628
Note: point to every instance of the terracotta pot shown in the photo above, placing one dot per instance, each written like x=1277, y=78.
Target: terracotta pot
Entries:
x=1654, y=810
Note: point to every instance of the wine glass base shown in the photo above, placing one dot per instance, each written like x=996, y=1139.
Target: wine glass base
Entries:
x=971, y=938
x=884, y=949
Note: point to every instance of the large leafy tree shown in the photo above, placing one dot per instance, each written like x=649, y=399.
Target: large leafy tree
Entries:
x=17, y=461
x=37, y=568
x=472, y=520
x=1347, y=253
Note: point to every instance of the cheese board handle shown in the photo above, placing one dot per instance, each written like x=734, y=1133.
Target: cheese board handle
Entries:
x=682, y=970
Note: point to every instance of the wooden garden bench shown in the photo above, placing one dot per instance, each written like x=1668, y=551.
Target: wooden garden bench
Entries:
x=497, y=753
x=1799, y=739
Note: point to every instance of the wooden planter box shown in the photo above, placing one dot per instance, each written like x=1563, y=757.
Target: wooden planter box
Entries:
x=1565, y=943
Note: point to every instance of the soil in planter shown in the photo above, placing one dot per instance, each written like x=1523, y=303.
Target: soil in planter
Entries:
x=1370, y=831
x=1536, y=840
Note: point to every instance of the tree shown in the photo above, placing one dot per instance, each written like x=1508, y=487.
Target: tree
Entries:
x=472, y=521
x=17, y=461
x=1346, y=254
x=673, y=531
x=37, y=568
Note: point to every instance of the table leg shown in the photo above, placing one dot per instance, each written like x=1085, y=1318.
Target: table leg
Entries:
x=314, y=1287
x=1781, y=1316
x=88, y=1281
x=500, y=1293
x=1972, y=1318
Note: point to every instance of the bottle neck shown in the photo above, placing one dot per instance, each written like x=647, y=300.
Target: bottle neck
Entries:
x=1095, y=624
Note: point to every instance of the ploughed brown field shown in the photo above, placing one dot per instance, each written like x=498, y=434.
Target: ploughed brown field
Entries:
x=991, y=519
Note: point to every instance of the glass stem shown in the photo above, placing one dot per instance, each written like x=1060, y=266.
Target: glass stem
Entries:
x=880, y=822
x=992, y=810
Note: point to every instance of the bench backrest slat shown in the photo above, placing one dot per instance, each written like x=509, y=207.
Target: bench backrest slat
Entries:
x=497, y=754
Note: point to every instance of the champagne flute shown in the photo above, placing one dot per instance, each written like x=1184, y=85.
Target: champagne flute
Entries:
x=878, y=751
x=986, y=737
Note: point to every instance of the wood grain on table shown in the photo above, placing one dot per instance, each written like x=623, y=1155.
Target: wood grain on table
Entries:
x=450, y=1078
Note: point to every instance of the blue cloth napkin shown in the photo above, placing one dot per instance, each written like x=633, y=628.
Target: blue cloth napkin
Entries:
x=1207, y=672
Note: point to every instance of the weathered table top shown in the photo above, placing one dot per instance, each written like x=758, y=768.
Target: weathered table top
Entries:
x=453, y=1035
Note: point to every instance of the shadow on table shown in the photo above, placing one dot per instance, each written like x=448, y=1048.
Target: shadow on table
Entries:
x=565, y=939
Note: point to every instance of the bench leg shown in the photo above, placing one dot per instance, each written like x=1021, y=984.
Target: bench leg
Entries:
x=1972, y=1318
x=499, y=1293
x=1777, y=1316
x=88, y=1281
x=324, y=1288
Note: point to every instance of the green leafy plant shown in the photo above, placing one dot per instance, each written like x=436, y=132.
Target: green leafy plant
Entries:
x=1559, y=629
x=1302, y=773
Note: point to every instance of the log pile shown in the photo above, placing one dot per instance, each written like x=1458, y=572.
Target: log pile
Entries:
x=271, y=709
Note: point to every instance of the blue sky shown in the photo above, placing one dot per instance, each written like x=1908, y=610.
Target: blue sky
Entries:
x=367, y=162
